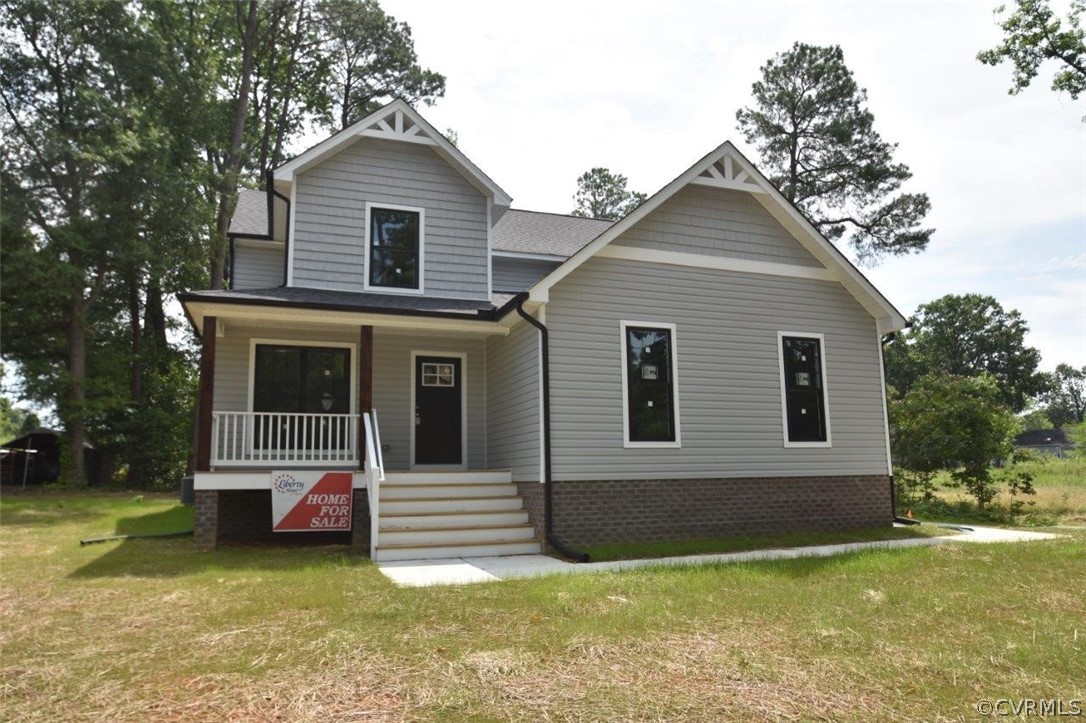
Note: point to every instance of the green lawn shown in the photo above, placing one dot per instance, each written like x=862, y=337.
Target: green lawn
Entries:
x=153, y=630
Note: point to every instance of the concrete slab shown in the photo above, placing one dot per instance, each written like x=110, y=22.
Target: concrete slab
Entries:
x=462, y=571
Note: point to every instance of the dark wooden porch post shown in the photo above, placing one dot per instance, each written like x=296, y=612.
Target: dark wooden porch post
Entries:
x=207, y=393
x=365, y=385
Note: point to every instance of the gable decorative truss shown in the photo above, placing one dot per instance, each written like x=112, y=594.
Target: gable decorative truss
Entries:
x=726, y=173
x=396, y=121
x=726, y=168
x=400, y=128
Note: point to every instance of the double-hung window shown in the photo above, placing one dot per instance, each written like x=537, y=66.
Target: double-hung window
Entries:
x=650, y=386
x=804, y=406
x=395, y=241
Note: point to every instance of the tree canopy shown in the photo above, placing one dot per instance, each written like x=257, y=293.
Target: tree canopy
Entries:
x=818, y=145
x=130, y=127
x=1065, y=397
x=1034, y=36
x=967, y=335
x=603, y=194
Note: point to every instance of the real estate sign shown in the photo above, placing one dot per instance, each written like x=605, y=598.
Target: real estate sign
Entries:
x=308, y=501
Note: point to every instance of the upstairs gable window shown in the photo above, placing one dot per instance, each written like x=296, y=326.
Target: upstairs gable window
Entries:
x=394, y=248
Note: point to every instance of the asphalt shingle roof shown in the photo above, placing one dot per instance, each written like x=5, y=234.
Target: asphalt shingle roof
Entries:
x=251, y=215
x=535, y=232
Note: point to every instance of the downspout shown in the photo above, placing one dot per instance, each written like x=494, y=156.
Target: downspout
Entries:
x=271, y=223
x=548, y=507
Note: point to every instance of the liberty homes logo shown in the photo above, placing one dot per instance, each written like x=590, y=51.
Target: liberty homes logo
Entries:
x=288, y=485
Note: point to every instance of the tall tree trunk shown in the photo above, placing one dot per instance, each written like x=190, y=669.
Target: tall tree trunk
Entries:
x=136, y=451
x=247, y=14
x=75, y=405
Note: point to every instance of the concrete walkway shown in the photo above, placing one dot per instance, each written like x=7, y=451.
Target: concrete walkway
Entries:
x=461, y=571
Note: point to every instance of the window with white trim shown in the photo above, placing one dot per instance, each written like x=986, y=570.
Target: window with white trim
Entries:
x=803, y=389
x=650, y=385
x=394, y=247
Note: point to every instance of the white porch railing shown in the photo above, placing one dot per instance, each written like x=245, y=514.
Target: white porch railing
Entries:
x=247, y=439
x=375, y=474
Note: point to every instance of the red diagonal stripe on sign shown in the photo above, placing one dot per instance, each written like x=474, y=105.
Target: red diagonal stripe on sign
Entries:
x=322, y=507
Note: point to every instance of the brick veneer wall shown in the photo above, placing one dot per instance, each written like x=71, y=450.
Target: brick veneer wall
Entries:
x=602, y=511
x=531, y=493
x=245, y=516
x=206, y=519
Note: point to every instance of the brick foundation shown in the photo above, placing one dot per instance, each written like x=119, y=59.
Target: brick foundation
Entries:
x=245, y=516
x=603, y=511
x=206, y=519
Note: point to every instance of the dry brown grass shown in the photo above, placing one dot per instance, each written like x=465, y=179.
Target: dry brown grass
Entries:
x=152, y=630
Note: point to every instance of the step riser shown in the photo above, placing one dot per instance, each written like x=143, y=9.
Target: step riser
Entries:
x=429, y=478
x=468, y=519
x=421, y=507
x=454, y=537
x=442, y=553
x=412, y=492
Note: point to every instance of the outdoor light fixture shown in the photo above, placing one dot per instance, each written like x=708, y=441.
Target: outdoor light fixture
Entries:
x=327, y=401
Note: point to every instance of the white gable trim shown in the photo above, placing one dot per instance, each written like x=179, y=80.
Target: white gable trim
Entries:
x=723, y=263
x=396, y=121
x=740, y=174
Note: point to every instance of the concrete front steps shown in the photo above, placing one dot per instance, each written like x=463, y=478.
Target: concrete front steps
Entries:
x=436, y=515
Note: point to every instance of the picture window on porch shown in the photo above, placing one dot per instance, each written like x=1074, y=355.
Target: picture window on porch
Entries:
x=394, y=248
x=650, y=385
x=292, y=380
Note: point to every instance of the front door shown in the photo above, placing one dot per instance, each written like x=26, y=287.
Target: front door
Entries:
x=438, y=411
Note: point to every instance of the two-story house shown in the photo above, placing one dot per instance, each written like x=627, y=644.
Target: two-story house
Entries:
x=490, y=377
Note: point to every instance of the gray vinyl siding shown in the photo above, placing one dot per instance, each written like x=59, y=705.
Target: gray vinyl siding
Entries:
x=232, y=359
x=717, y=222
x=257, y=267
x=330, y=202
x=392, y=379
x=512, y=393
x=728, y=371
x=518, y=274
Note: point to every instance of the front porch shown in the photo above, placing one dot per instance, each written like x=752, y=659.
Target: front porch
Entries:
x=281, y=395
x=405, y=516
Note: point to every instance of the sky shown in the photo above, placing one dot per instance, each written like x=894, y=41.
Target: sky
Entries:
x=538, y=93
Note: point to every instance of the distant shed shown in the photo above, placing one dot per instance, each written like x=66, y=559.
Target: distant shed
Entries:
x=37, y=457
x=1050, y=441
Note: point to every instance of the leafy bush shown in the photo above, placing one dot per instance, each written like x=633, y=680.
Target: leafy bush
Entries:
x=957, y=424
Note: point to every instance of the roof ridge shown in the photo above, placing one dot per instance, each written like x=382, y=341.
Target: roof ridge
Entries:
x=565, y=215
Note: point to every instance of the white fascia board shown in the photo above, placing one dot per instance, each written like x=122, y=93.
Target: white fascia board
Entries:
x=282, y=315
x=432, y=137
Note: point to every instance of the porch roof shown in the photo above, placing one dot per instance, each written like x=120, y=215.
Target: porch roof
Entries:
x=198, y=304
